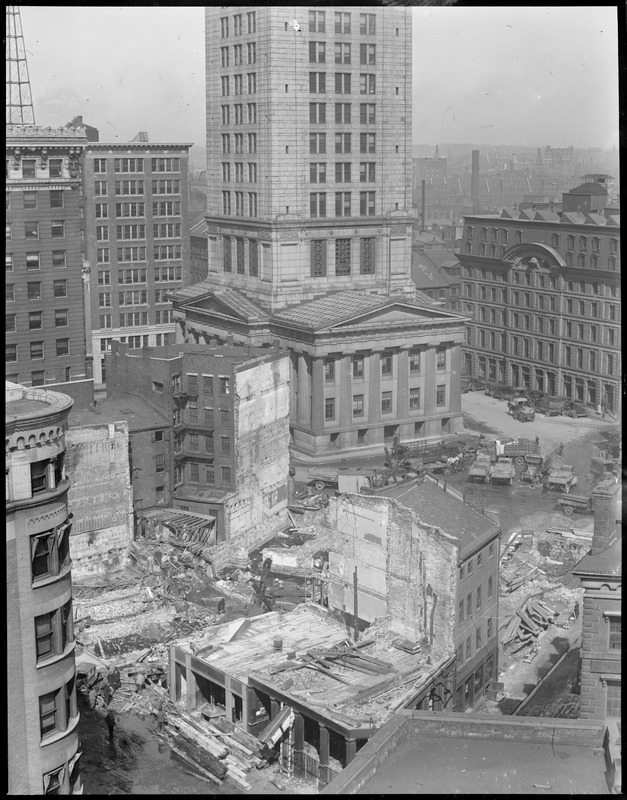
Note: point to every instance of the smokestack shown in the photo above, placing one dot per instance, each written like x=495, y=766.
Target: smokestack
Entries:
x=422, y=213
x=474, y=181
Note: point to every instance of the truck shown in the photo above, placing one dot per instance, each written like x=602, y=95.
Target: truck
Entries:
x=504, y=471
x=343, y=480
x=516, y=450
x=574, y=409
x=424, y=449
x=552, y=406
x=481, y=468
x=536, y=467
x=562, y=478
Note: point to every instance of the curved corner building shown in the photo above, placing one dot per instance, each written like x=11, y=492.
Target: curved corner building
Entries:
x=42, y=708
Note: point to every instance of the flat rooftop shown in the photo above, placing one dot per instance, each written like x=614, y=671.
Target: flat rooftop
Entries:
x=426, y=752
x=135, y=411
x=308, y=627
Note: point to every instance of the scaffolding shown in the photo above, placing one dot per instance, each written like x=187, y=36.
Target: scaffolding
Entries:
x=19, y=103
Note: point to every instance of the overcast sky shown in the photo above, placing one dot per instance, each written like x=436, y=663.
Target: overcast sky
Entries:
x=528, y=76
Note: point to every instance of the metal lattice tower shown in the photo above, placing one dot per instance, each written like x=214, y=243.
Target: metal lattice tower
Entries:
x=19, y=101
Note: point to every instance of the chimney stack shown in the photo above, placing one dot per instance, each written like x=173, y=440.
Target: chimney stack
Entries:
x=605, y=507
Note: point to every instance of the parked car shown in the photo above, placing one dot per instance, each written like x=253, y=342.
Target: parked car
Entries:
x=552, y=406
x=534, y=396
x=575, y=409
x=472, y=384
x=536, y=466
x=504, y=471
x=525, y=414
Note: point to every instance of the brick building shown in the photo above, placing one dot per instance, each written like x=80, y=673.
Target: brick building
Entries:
x=199, y=251
x=137, y=242
x=544, y=291
x=43, y=746
x=600, y=573
x=45, y=319
x=364, y=368
x=474, y=589
x=226, y=445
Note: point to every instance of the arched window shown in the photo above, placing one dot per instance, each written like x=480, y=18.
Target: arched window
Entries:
x=569, y=259
x=504, y=235
x=612, y=263
x=581, y=260
x=469, y=246
x=470, y=232
x=482, y=249
x=493, y=251
x=583, y=242
x=484, y=234
x=555, y=240
x=595, y=244
x=570, y=242
x=519, y=237
x=613, y=245
x=594, y=261
x=494, y=234
x=503, y=249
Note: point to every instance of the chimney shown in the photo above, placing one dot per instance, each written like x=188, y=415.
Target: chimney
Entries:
x=605, y=507
x=474, y=181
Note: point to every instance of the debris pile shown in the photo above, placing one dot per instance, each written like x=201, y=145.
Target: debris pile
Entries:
x=521, y=574
x=525, y=627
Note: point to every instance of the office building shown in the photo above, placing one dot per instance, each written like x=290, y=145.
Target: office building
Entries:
x=45, y=319
x=43, y=746
x=543, y=288
x=137, y=242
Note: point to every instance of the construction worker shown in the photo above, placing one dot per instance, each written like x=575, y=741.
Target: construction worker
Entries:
x=110, y=720
x=91, y=697
x=160, y=720
x=140, y=680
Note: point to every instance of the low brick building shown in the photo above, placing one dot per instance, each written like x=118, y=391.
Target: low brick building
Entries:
x=223, y=449
x=600, y=573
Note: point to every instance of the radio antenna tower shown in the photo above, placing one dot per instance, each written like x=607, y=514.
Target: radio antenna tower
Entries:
x=19, y=101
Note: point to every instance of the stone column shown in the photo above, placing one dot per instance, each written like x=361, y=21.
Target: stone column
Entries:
x=402, y=384
x=455, y=396
x=430, y=382
x=304, y=410
x=351, y=750
x=374, y=388
x=325, y=742
x=346, y=392
x=191, y=688
x=317, y=395
x=299, y=742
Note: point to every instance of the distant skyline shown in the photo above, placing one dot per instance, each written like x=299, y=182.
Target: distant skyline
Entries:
x=527, y=76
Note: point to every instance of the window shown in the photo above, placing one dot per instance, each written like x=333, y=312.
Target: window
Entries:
x=251, y=50
x=342, y=83
x=240, y=257
x=329, y=408
x=367, y=54
x=478, y=642
x=367, y=24
x=614, y=640
x=414, y=399
x=479, y=599
x=226, y=475
x=343, y=255
x=10, y=353
x=317, y=143
x=50, y=550
x=317, y=82
x=225, y=445
x=367, y=142
x=63, y=347
x=224, y=57
x=329, y=369
x=32, y=260
x=367, y=256
x=318, y=257
x=317, y=113
x=386, y=364
x=10, y=323
x=317, y=52
x=30, y=200
x=367, y=171
x=33, y=290
x=461, y=611
x=343, y=172
x=128, y=165
x=31, y=230
x=237, y=85
x=367, y=83
x=358, y=367
x=342, y=53
x=165, y=186
x=414, y=360
x=367, y=113
x=440, y=358
x=342, y=22
x=440, y=396
x=318, y=172
x=132, y=187
x=342, y=205
x=358, y=405
x=468, y=648
x=342, y=113
x=367, y=204
x=28, y=168
x=252, y=173
x=316, y=22
x=342, y=142
x=386, y=402
x=251, y=21
x=460, y=654
x=225, y=386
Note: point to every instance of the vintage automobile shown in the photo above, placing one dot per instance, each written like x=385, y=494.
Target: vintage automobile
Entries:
x=562, y=478
x=504, y=472
x=472, y=384
x=525, y=414
x=575, y=409
x=552, y=406
x=534, y=396
x=536, y=467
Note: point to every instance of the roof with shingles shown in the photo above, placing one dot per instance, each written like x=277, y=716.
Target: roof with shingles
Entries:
x=434, y=506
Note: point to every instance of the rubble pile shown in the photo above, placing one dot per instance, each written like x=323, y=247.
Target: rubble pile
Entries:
x=526, y=626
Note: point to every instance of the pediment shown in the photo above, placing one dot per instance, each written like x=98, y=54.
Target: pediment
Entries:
x=390, y=315
x=214, y=305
